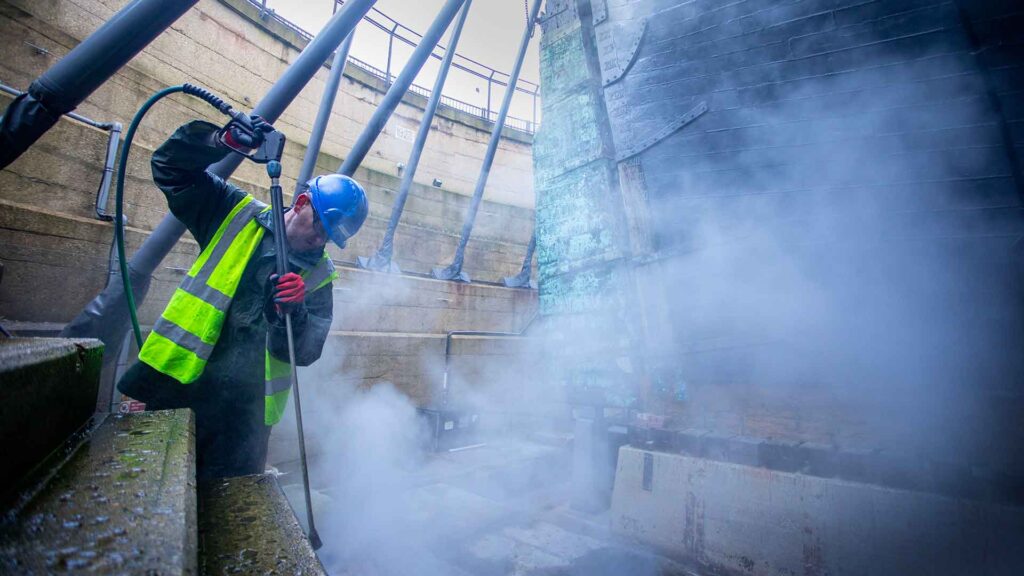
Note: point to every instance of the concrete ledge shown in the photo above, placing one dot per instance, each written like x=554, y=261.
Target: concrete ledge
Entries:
x=123, y=503
x=48, y=390
x=884, y=468
x=378, y=302
x=247, y=527
x=734, y=519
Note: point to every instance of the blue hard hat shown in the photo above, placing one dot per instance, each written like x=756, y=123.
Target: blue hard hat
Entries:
x=341, y=204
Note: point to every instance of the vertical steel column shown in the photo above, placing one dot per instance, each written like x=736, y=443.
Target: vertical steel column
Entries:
x=381, y=261
x=394, y=95
x=107, y=313
x=79, y=73
x=454, y=270
x=522, y=280
x=323, y=115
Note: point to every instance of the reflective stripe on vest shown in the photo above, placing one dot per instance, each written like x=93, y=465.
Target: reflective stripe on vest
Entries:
x=183, y=339
x=278, y=373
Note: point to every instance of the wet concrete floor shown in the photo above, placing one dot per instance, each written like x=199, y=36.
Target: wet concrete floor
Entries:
x=499, y=509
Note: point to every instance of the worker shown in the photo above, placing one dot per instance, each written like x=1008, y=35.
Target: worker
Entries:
x=220, y=346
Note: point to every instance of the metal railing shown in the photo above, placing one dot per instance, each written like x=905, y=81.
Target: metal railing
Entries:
x=396, y=30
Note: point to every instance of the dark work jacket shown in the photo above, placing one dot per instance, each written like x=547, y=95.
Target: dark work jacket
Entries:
x=231, y=439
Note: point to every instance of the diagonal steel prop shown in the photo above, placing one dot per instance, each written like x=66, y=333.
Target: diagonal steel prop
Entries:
x=454, y=270
x=82, y=70
x=398, y=89
x=381, y=261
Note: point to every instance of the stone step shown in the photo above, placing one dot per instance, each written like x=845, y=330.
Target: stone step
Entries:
x=48, y=390
x=379, y=302
x=247, y=527
x=123, y=502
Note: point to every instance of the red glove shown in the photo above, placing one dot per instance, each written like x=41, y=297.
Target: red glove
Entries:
x=289, y=291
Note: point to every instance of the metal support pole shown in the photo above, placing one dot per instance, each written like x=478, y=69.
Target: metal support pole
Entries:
x=107, y=313
x=454, y=270
x=79, y=73
x=522, y=280
x=394, y=94
x=381, y=261
x=490, y=82
x=323, y=115
x=391, y=44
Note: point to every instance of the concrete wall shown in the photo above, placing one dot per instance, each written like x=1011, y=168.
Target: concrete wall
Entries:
x=739, y=519
x=225, y=47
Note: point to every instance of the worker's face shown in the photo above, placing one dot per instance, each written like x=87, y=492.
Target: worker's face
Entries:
x=303, y=227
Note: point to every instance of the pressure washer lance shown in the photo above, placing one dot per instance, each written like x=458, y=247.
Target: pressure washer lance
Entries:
x=281, y=244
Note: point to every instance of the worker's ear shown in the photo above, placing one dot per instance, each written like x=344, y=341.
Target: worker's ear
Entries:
x=302, y=201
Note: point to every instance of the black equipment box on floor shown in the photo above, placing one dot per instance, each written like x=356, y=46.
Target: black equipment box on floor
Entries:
x=450, y=429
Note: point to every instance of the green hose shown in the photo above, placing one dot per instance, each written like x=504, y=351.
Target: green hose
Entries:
x=119, y=201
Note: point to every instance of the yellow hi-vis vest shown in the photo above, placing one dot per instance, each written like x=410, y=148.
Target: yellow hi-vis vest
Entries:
x=184, y=337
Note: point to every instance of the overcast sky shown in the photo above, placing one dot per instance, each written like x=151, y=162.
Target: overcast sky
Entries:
x=491, y=36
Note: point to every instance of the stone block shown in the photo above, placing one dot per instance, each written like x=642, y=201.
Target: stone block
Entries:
x=856, y=465
x=732, y=519
x=123, y=503
x=717, y=447
x=48, y=390
x=744, y=450
x=689, y=441
x=246, y=526
x=822, y=460
x=781, y=455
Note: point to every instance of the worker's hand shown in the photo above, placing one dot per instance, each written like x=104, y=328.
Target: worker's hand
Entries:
x=236, y=137
x=289, y=291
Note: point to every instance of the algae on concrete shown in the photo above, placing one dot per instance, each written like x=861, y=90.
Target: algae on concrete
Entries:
x=247, y=527
x=48, y=390
x=123, y=503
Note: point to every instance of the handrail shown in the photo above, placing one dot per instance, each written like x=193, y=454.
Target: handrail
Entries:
x=448, y=348
x=467, y=65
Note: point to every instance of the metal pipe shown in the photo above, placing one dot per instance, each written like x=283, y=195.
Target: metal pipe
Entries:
x=454, y=270
x=448, y=348
x=522, y=280
x=106, y=316
x=103, y=193
x=490, y=81
x=381, y=261
x=323, y=115
x=79, y=73
x=391, y=44
x=397, y=90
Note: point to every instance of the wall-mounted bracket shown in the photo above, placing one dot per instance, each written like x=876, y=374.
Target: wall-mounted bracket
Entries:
x=639, y=145
x=617, y=46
